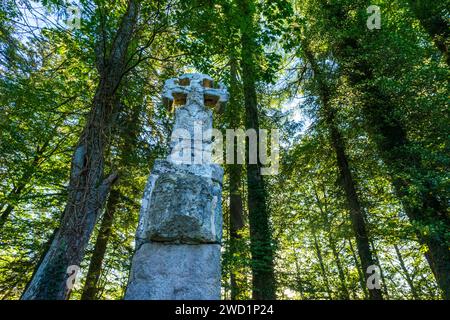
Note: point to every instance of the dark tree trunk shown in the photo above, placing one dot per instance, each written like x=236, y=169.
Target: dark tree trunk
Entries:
x=321, y=264
x=235, y=173
x=88, y=188
x=361, y=277
x=344, y=291
x=406, y=273
x=348, y=183
x=236, y=223
x=5, y=214
x=262, y=250
x=323, y=211
x=90, y=289
x=356, y=214
x=332, y=243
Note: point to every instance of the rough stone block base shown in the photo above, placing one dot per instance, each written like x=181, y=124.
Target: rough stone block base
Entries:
x=163, y=271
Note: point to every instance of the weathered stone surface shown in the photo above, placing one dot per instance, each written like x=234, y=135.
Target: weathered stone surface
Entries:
x=194, y=119
x=164, y=271
x=182, y=203
x=180, y=224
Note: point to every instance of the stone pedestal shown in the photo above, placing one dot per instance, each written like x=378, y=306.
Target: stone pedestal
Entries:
x=164, y=271
x=180, y=225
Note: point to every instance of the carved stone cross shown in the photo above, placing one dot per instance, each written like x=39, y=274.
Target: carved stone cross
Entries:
x=194, y=88
x=190, y=95
x=179, y=235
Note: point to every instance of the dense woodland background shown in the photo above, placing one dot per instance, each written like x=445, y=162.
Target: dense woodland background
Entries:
x=363, y=116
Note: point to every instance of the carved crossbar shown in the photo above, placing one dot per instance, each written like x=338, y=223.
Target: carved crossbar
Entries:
x=178, y=91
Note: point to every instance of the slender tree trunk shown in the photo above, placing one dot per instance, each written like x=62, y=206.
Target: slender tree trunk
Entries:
x=361, y=277
x=262, y=250
x=236, y=224
x=406, y=273
x=344, y=291
x=348, y=183
x=431, y=16
x=321, y=264
x=88, y=188
x=90, y=289
x=43, y=253
x=356, y=214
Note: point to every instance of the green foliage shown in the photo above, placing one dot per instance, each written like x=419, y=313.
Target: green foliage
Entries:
x=48, y=75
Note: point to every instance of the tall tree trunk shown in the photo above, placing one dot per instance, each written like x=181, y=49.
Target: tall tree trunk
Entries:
x=88, y=189
x=344, y=291
x=406, y=273
x=332, y=243
x=90, y=289
x=361, y=277
x=129, y=137
x=43, y=253
x=431, y=15
x=356, y=214
x=235, y=173
x=348, y=183
x=427, y=209
x=263, y=278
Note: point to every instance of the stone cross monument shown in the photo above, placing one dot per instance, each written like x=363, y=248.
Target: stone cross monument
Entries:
x=180, y=225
